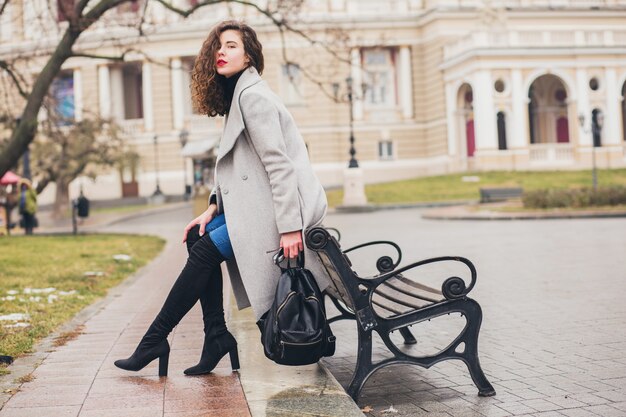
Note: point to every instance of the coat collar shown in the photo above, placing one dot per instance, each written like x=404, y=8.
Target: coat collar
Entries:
x=234, y=120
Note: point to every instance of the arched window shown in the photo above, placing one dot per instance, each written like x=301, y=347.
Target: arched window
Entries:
x=548, y=110
x=501, y=131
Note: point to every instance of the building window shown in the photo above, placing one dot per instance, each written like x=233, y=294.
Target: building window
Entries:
x=132, y=80
x=291, y=83
x=380, y=76
x=594, y=84
x=62, y=92
x=385, y=150
x=499, y=86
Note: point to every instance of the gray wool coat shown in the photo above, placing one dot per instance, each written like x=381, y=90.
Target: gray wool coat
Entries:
x=265, y=186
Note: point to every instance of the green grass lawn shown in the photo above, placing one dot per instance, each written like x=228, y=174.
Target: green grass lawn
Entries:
x=451, y=187
x=60, y=263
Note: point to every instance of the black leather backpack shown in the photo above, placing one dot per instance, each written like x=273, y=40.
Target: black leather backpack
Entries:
x=294, y=331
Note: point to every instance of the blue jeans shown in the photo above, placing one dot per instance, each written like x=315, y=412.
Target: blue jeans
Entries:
x=218, y=233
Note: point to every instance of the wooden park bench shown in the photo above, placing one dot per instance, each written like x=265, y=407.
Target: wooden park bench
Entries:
x=491, y=195
x=389, y=301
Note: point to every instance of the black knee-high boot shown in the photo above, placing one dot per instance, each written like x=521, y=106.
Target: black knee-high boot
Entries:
x=195, y=279
x=217, y=339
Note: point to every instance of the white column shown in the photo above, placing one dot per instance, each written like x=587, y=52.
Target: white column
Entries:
x=519, y=104
x=104, y=91
x=78, y=95
x=611, y=133
x=451, y=118
x=357, y=79
x=406, y=82
x=484, y=111
x=148, y=117
x=584, y=107
x=177, y=94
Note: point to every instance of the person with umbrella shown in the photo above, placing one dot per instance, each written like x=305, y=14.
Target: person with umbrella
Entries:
x=27, y=205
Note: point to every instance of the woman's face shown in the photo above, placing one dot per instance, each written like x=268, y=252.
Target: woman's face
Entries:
x=231, y=56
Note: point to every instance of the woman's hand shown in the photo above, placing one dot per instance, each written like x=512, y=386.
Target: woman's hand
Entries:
x=202, y=220
x=291, y=242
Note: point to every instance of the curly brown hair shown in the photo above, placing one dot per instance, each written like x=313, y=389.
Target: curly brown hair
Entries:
x=207, y=86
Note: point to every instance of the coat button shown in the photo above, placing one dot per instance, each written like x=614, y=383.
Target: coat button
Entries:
x=245, y=177
x=224, y=191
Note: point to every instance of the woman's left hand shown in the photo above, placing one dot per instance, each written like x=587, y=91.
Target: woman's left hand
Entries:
x=291, y=242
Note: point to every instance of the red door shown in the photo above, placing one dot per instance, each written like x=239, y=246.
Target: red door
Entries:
x=562, y=130
x=469, y=133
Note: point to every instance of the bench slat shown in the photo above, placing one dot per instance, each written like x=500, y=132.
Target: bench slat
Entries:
x=401, y=286
x=382, y=302
x=401, y=298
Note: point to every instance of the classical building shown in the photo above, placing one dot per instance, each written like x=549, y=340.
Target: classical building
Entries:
x=438, y=86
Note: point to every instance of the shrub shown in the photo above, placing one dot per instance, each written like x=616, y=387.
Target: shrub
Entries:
x=575, y=197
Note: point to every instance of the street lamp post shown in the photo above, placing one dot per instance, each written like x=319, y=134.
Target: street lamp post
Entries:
x=354, y=189
x=157, y=191
x=349, y=98
x=597, y=121
x=183, y=136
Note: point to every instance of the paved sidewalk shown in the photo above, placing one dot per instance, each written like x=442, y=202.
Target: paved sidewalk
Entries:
x=553, y=296
x=79, y=379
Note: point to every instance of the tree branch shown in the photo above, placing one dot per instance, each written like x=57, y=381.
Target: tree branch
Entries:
x=9, y=69
x=4, y=5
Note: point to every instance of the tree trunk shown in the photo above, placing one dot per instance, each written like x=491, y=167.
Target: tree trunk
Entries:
x=61, y=207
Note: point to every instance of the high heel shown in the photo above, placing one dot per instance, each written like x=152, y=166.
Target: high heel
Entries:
x=143, y=355
x=163, y=363
x=234, y=359
x=214, y=349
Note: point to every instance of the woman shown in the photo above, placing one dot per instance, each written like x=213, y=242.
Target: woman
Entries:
x=266, y=195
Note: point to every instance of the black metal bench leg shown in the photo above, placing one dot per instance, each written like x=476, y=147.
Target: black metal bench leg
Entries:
x=470, y=355
x=363, y=368
x=409, y=339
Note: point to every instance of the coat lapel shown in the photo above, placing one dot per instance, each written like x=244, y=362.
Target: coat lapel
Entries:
x=234, y=120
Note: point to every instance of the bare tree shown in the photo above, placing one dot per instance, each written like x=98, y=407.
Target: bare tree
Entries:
x=81, y=15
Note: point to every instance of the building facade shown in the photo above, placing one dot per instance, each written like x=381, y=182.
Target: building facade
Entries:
x=438, y=86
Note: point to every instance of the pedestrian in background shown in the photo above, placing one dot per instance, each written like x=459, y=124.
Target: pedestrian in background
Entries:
x=27, y=206
x=265, y=196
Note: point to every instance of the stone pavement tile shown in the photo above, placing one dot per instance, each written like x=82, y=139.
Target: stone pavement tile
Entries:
x=589, y=398
x=548, y=414
x=491, y=410
x=146, y=400
x=208, y=403
x=619, y=405
x=578, y=412
x=526, y=394
x=612, y=395
x=434, y=406
x=595, y=385
x=604, y=410
x=155, y=411
x=42, y=399
x=565, y=402
x=516, y=408
x=127, y=386
x=420, y=396
x=541, y=405
x=63, y=411
x=207, y=413
x=549, y=391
